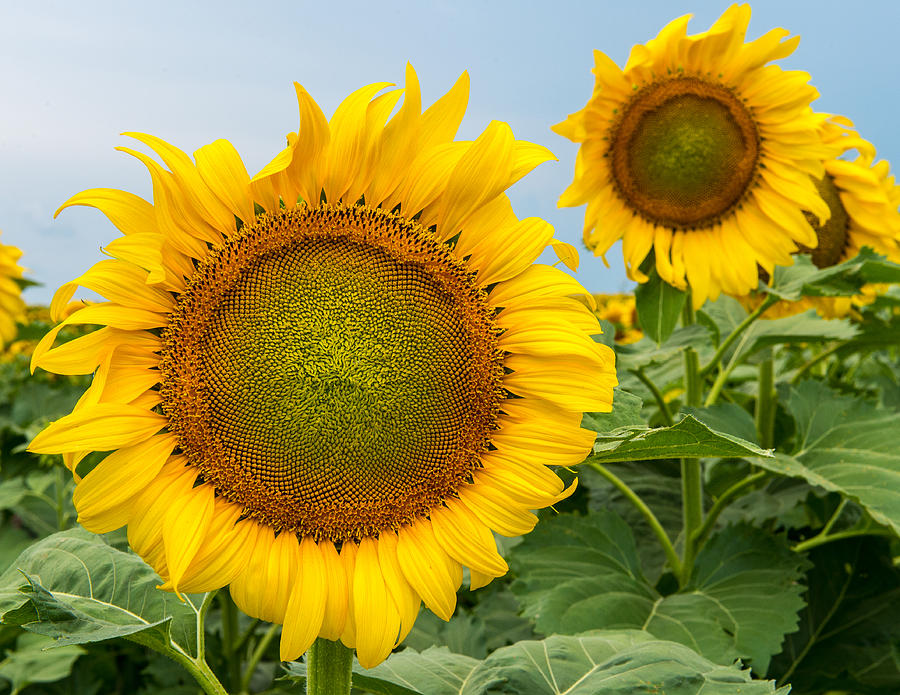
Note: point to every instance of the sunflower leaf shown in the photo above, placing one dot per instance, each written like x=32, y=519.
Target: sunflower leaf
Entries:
x=850, y=631
x=33, y=661
x=688, y=438
x=578, y=573
x=845, y=445
x=658, y=305
x=629, y=660
x=74, y=587
x=843, y=279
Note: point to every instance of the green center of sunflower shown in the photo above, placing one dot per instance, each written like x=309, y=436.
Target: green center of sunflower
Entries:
x=684, y=152
x=833, y=234
x=333, y=370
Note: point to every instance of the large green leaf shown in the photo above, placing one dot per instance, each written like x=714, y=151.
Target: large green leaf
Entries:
x=846, y=445
x=658, y=306
x=33, y=661
x=601, y=661
x=580, y=573
x=612, y=662
x=844, y=279
x=849, y=637
x=688, y=438
x=75, y=588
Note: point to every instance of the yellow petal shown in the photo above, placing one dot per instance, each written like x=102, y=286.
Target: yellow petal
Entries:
x=466, y=539
x=507, y=519
x=349, y=551
x=335, y=617
x=263, y=589
x=405, y=598
x=221, y=168
x=102, y=427
x=377, y=617
x=428, y=568
x=306, y=607
x=102, y=498
x=184, y=529
x=128, y=212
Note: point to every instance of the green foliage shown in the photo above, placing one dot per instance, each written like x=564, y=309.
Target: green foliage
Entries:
x=659, y=306
x=846, y=445
x=578, y=573
x=626, y=661
x=688, y=438
x=33, y=661
x=844, y=279
x=74, y=587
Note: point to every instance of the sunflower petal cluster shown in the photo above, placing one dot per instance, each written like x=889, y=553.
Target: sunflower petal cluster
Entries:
x=230, y=349
x=864, y=202
x=701, y=152
x=12, y=308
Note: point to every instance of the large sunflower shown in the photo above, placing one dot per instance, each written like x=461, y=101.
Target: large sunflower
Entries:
x=326, y=386
x=700, y=151
x=863, y=200
x=12, y=308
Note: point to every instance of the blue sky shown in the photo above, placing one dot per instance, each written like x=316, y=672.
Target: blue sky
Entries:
x=75, y=75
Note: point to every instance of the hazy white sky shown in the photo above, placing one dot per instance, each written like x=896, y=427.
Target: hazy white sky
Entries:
x=73, y=75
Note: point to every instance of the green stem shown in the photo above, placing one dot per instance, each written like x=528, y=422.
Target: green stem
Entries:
x=328, y=668
x=719, y=383
x=201, y=673
x=825, y=354
x=736, y=333
x=646, y=512
x=245, y=637
x=257, y=656
x=229, y=642
x=820, y=539
x=691, y=474
x=765, y=403
x=201, y=622
x=723, y=501
x=657, y=394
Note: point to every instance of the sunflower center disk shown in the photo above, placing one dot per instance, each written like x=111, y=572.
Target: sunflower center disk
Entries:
x=334, y=371
x=833, y=234
x=684, y=152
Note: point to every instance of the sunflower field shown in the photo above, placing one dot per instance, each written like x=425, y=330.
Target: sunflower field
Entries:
x=333, y=428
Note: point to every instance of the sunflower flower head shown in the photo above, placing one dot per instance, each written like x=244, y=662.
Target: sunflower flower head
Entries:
x=328, y=385
x=12, y=308
x=621, y=311
x=863, y=202
x=700, y=150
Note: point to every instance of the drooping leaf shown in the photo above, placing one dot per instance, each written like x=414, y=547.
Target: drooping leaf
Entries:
x=844, y=279
x=75, y=588
x=845, y=445
x=849, y=636
x=580, y=573
x=687, y=438
x=33, y=661
x=658, y=306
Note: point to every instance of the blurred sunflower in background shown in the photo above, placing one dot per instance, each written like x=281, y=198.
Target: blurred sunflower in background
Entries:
x=702, y=152
x=864, y=203
x=621, y=311
x=327, y=385
x=12, y=308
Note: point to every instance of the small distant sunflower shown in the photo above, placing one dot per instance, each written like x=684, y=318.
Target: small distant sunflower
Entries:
x=700, y=151
x=863, y=201
x=621, y=311
x=327, y=385
x=12, y=308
